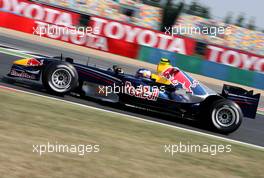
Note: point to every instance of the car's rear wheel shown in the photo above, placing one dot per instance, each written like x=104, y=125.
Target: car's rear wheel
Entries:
x=225, y=116
x=60, y=77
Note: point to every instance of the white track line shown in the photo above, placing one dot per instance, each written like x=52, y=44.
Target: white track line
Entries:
x=138, y=118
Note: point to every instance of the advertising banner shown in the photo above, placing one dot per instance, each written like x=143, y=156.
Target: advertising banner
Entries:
x=85, y=37
x=235, y=58
x=81, y=37
x=107, y=35
x=16, y=22
x=40, y=12
x=141, y=36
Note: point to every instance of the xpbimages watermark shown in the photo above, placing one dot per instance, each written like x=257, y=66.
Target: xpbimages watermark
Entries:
x=144, y=92
x=180, y=147
x=79, y=149
x=58, y=30
x=198, y=30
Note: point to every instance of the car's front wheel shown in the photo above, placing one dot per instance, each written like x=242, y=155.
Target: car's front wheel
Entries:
x=225, y=116
x=60, y=78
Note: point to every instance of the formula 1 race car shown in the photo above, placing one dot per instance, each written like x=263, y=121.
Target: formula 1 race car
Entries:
x=180, y=94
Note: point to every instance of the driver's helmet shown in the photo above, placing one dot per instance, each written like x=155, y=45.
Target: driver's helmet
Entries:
x=117, y=69
x=143, y=73
x=163, y=65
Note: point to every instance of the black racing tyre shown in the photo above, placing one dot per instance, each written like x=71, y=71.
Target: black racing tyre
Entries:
x=225, y=116
x=59, y=77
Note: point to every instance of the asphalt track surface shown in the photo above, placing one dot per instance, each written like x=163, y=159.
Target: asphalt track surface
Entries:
x=251, y=131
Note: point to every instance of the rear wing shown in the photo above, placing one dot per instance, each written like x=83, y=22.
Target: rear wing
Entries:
x=247, y=100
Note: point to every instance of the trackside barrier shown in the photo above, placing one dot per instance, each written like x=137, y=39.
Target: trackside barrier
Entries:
x=204, y=67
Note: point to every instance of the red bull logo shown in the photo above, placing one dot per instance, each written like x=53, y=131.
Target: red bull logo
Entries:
x=178, y=77
x=33, y=62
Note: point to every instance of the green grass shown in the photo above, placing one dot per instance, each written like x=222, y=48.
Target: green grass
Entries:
x=128, y=147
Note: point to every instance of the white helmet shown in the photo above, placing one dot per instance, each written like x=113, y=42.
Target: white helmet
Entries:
x=143, y=73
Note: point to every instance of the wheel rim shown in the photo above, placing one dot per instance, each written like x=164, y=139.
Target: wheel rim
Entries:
x=61, y=79
x=224, y=116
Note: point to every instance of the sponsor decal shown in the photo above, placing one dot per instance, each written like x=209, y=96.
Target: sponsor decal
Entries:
x=235, y=58
x=144, y=92
x=22, y=74
x=178, y=77
x=34, y=62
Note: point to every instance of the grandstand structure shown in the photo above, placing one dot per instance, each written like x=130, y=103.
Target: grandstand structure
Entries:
x=131, y=11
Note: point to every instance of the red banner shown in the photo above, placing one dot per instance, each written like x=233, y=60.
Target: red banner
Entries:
x=141, y=36
x=123, y=48
x=235, y=58
x=81, y=38
x=40, y=12
x=16, y=22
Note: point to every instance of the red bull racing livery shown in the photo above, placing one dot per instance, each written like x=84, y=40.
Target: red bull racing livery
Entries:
x=182, y=96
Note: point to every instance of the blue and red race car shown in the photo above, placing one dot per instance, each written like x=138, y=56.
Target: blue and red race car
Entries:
x=170, y=90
